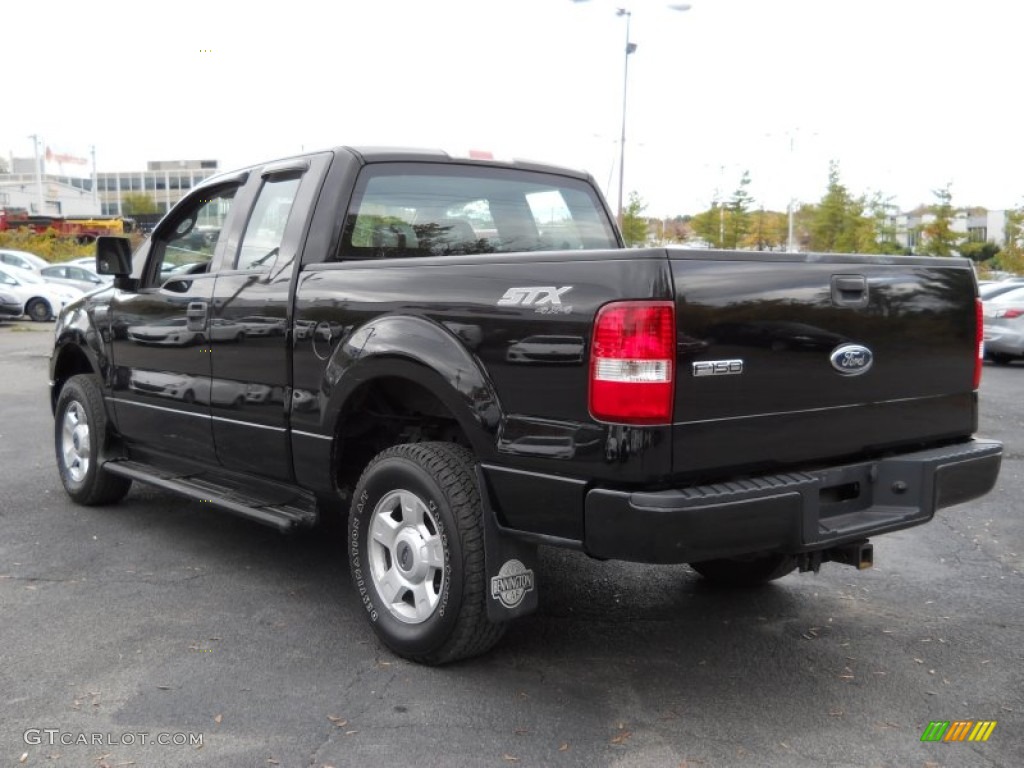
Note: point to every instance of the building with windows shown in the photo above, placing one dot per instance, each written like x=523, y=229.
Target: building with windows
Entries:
x=977, y=225
x=47, y=194
x=165, y=182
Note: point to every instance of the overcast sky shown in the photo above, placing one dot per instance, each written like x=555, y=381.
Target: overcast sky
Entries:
x=907, y=95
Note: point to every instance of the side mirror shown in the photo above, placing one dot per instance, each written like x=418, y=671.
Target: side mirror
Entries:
x=113, y=256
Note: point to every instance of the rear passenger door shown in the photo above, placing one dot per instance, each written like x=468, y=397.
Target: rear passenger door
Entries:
x=250, y=393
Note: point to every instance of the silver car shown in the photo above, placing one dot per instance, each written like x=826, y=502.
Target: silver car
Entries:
x=1004, y=327
x=74, y=275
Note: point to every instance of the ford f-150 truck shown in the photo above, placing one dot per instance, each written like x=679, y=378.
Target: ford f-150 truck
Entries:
x=463, y=354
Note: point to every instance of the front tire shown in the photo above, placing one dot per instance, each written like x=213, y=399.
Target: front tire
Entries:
x=745, y=572
x=80, y=434
x=416, y=553
x=39, y=310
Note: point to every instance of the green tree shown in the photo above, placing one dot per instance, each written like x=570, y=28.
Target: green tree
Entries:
x=634, y=225
x=1011, y=257
x=979, y=252
x=738, y=218
x=769, y=231
x=709, y=225
x=134, y=203
x=879, y=208
x=938, y=236
x=837, y=225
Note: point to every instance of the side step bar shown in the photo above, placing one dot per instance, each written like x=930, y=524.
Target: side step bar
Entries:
x=280, y=506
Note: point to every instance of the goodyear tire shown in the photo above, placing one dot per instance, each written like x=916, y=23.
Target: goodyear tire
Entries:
x=745, y=572
x=80, y=433
x=416, y=553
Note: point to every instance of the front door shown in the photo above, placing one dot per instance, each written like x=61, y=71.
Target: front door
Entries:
x=160, y=345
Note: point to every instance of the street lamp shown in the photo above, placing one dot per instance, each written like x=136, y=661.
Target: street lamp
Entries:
x=630, y=48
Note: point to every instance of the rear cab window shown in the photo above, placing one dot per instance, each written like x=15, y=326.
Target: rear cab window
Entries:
x=402, y=210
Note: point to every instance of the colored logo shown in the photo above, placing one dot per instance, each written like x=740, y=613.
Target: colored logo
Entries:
x=852, y=359
x=958, y=730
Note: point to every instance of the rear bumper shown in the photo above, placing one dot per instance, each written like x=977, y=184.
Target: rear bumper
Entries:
x=791, y=513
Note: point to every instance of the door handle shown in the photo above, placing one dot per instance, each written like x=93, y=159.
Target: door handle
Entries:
x=195, y=316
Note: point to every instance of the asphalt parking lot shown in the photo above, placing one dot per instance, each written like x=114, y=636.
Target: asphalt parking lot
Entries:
x=161, y=620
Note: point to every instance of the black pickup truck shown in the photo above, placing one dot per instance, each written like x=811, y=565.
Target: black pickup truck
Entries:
x=461, y=356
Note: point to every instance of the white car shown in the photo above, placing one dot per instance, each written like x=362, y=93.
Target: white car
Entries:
x=39, y=299
x=74, y=275
x=22, y=260
x=1004, y=327
x=173, y=332
x=89, y=262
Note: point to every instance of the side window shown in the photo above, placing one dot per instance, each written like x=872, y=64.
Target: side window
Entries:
x=189, y=241
x=265, y=230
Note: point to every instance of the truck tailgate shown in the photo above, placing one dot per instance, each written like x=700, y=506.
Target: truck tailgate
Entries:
x=786, y=359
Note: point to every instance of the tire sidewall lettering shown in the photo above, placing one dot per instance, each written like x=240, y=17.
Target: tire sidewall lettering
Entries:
x=390, y=474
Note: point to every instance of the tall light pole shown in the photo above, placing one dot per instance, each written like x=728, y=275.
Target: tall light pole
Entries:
x=630, y=48
x=36, y=140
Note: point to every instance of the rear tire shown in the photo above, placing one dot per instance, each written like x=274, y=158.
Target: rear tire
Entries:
x=80, y=435
x=416, y=553
x=39, y=310
x=1001, y=359
x=745, y=572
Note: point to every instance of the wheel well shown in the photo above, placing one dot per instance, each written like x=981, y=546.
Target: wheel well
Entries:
x=385, y=412
x=71, y=362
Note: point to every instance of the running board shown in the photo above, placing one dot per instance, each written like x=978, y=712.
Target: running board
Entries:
x=280, y=506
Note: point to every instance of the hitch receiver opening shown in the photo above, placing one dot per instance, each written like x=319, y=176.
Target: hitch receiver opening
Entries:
x=859, y=554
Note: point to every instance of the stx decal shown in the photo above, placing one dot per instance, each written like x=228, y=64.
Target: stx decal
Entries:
x=534, y=296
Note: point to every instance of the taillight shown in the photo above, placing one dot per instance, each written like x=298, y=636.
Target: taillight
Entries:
x=632, y=362
x=979, y=332
x=1009, y=314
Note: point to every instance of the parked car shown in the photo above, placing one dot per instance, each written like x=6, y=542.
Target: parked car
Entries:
x=9, y=305
x=84, y=261
x=169, y=332
x=74, y=275
x=39, y=299
x=992, y=290
x=22, y=260
x=1004, y=326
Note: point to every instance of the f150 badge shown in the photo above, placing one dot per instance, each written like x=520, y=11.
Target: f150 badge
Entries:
x=852, y=359
x=718, y=368
x=545, y=299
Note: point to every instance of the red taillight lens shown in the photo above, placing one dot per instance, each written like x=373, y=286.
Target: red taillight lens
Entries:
x=1010, y=314
x=979, y=331
x=632, y=362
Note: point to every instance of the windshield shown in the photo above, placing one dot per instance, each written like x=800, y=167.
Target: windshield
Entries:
x=31, y=258
x=425, y=209
x=23, y=276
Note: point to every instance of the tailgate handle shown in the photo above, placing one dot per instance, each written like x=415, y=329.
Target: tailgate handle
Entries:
x=849, y=291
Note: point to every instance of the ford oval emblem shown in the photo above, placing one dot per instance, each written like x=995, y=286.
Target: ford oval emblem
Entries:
x=852, y=359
